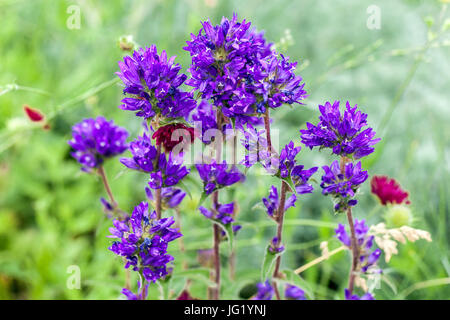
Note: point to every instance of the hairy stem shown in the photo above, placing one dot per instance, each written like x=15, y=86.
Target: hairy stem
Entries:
x=158, y=204
x=354, y=244
x=216, y=229
x=267, y=128
x=355, y=251
x=280, y=219
x=102, y=175
x=280, y=213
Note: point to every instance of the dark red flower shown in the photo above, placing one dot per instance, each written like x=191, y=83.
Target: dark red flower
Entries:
x=388, y=190
x=165, y=133
x=34, y=115
x=185, y=295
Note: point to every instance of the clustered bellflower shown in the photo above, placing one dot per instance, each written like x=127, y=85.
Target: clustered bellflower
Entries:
x=286, y=166
x=143, y=241
x=265, y=291
x=217, y=175
x=367, y=257
x=255, y=144
x=152, y=85
x=235, y=67
x=366, y=296
x=95, y=140
x=343, y=186
x=342, y=132
x=170, y=197
x=170, y=171
x=294, y=293
x=144, y=155
x=142, y=292
x=272, y=202
x=222, y=212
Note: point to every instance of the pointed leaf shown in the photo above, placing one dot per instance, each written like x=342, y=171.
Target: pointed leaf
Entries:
x=295, y=279
x=268, y=263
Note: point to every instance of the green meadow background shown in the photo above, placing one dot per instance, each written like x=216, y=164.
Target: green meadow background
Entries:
x=50, y=214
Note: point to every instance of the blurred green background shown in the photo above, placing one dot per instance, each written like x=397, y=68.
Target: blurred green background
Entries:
x=50, y=215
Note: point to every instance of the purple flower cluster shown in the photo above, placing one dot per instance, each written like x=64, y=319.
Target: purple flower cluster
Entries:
x=221, y=212
x=272, y=202
x=287, y=166
x=255, y=143
x=349, y=296
x=276, y=246
x=235, y=67
x=343, y=185
x=367, y=258
x=204, y=118
x=95, y=140
x=294, y=293
x=152, y=84
x=170, y=171
x=144, y=155
x=265, y=291
x=142, y=295
x=170, y=197
x=143, y=241
x=342, y=132
x=216, y=176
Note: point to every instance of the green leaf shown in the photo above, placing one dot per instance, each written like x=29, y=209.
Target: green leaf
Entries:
x=164, y=285
x=185, y=188
x=202, y=199
x=268, y=263
x=290, y=183
x=228, y=228
x=198, y=274
x=295, y=279
x=177, y=285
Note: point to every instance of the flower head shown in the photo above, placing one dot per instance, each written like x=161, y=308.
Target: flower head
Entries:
x=221, y=212
x=366, y=296
x=235, y=67
x=286, y=166
x=95, y=140
x=276, y=246
x=364, y=241
x=143, y=241
x=272, y=202
x=144, y=155
x=388, y=190
x=255, y=143
x=265, y=291
x=142, y=293
x=343, y=133
x=287, y=159
x=294, y=293
x=152, y=85
x=170, y=171
x=170, y=197
x=343, y=185
x=300, y=178
x=280, y=85
x=216, y=176
x=174, y=134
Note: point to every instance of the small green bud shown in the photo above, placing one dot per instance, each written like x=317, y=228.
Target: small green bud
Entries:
x=429, y=21
x=126, y=43
x=398, y=215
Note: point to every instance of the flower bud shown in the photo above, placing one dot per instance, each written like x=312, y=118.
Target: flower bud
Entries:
x=398, y=215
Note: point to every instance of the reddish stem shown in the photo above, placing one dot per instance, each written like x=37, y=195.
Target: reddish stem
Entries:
x=353, y=243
